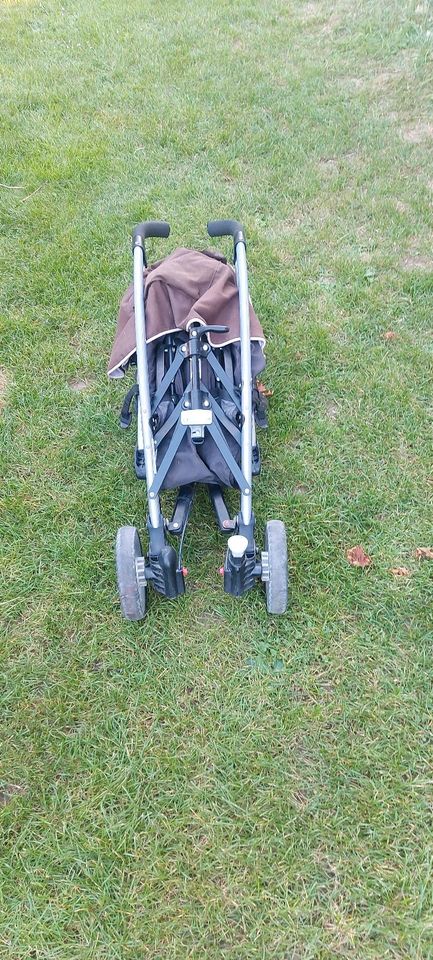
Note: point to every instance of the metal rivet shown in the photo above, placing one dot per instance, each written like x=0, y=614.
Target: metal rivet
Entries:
x=205, y=403
x=175, y=526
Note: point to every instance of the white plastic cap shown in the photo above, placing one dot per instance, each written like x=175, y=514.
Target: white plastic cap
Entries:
x=237, y=545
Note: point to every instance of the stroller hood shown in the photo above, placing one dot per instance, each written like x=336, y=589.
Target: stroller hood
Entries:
x=187, y=284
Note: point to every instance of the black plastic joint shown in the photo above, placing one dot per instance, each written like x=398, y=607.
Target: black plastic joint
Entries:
x=239, y=574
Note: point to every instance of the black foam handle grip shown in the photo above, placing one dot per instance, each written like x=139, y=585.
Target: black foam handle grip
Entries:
x=226, y=228
x=150, y=228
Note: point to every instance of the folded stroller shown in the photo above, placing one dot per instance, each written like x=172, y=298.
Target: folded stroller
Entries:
x=198, y=404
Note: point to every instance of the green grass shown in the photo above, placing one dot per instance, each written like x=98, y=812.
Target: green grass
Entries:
x=216, y=783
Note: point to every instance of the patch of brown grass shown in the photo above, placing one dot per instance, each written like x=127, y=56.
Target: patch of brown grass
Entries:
x=400, y=206
x=10, y=790
x=4, y=385
x=79, y=383
x=418, y=132
x=417, y=261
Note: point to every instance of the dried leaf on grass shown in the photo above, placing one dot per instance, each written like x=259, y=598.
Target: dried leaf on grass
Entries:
x=401, y=572
x=264, y=390
x=424, y=553
x=390, y=335
x=357, y=557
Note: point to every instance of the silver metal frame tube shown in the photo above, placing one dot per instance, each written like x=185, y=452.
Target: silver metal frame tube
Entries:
x=144, y=406
x=246, y=386
x=140, y=441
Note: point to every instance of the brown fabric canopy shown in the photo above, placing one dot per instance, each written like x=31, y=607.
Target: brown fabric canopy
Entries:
x=186, y=285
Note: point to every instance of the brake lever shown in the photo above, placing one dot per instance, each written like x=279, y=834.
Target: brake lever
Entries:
x=212, y=328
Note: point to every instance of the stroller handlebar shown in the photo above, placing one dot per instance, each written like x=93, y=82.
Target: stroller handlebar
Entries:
x=150, y=228
x=226, y=228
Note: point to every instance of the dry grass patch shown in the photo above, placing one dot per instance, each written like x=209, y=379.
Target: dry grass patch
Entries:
x=332, y=410
x=418, y=132
x=329, y=166
x=312, y=14
x=79, y=383
x=382, y=80
x=4, y=386
x=10, y=790
x=310, y=11
x=417, y=261
x=400, y=206
x=300, y=489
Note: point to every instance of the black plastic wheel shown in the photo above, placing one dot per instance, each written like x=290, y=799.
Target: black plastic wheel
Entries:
x=277, y=584
x=132, y=593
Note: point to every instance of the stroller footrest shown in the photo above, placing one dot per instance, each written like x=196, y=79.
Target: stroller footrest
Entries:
x=181, y=510
x=225, y=524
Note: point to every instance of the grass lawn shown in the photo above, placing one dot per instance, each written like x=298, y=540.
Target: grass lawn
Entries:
x=213, y=782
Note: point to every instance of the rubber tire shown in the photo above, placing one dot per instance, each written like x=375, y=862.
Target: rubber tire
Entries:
x=277, y=587
x=132, y=594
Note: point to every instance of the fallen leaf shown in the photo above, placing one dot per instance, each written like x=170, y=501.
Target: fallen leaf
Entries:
x=401, y=572
x=424, y=553
x=357, y=557
x=390, y=335
x=264, y=390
